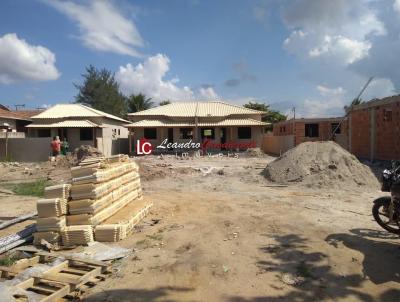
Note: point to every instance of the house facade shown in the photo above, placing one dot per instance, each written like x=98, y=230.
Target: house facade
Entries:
x=219, y=125
x=15, y=121
x=80, y=125
x=374, y=129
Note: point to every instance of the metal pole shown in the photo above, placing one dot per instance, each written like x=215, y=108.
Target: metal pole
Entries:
x=294, y=125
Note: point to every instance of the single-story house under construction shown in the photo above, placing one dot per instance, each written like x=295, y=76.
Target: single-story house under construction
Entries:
x=81, y=125
x=225, y=126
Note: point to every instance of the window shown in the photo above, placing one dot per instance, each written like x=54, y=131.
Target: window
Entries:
x=387, y=115
x=119, y=131
x=186, y=133
x=244, y=132
x=311, y=130
x=335, y=128
x=150, y=133
x=208, y=133
x=86, y=134
x=282, y=129
x=44, y=133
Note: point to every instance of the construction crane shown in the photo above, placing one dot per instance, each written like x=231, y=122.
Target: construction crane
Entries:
x=351, y=106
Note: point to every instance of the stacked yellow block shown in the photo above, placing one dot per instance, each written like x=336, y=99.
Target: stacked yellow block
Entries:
x=52, y=212
x=104, y=202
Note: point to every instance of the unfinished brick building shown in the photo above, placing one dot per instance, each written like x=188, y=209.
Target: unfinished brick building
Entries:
x=374, y=129
x=313, y=129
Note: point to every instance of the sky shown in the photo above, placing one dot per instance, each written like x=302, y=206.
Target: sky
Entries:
x=308, y=54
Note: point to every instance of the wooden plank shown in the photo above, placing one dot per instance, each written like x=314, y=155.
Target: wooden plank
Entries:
x=25, y=263
x=17, y=220
x=85, y=261
x=57, y=278
x=57, y=295
x=9, y=269
x=41, y=290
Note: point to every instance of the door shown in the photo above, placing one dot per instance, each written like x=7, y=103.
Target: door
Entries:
x=170, y=136
x=223, y=138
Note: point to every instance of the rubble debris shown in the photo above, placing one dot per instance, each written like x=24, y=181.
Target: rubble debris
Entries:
x=86, y=151
x=320, y=164
x=255, y=152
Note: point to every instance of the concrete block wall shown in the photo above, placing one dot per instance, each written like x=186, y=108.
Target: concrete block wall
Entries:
x=30, y=149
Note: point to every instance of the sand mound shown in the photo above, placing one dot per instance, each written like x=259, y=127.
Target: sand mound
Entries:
x=321, y=164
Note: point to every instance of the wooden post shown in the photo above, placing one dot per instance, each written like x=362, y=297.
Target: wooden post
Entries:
x=6, y=145
x=94, y=138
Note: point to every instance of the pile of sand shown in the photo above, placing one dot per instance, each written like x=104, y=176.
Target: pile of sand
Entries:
x=321, y=164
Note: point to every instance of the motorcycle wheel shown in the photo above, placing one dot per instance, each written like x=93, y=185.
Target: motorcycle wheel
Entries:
x=380, y=212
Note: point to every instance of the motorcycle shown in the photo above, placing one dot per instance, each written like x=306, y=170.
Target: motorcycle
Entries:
x=386, y=210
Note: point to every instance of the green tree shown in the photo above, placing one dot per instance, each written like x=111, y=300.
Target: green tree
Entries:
x=138, y=102
x=270, y=116
x=166, y=102
x=100, y=91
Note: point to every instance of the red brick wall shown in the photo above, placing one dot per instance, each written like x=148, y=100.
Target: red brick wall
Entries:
x=388, y=132
x=360, y=133
x=283, y=128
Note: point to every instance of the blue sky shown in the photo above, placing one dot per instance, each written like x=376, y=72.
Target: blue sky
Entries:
x=314, y=55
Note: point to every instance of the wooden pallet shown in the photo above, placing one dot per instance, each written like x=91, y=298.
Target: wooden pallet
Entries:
x=67, y=278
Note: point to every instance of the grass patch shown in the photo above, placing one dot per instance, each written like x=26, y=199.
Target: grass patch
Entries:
x=35, y=188
x=7, y=158
x=7, y=261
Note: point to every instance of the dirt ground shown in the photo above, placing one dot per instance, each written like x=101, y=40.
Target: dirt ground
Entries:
x=218, y=231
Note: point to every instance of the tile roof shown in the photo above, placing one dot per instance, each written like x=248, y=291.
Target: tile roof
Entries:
x=15, y=115
x=201, y=109
x=225, y=122
x=74, y=110
x=66, y=124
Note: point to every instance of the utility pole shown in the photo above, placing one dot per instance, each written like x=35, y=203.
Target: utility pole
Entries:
x=294, y=125
x=18, y=106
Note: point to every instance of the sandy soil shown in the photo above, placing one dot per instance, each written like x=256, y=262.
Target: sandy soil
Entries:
x=219, y=232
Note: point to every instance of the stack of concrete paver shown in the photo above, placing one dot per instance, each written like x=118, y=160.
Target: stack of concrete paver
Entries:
x=52, y=211
x=105, y=201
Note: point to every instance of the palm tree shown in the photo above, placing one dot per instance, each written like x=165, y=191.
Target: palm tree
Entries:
x=139, y=102
x=163, y=103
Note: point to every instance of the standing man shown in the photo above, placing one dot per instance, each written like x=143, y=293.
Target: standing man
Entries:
x=55, y=146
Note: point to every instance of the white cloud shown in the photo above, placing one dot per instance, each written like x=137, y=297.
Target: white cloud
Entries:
x=208, y=93
x=330, y=103
x=379, y=87
x=339, y=31
x=102, y=26
x=326, y=91
x=342, y=47
x=149, y=78
x=21, y=61
x=396, y=6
